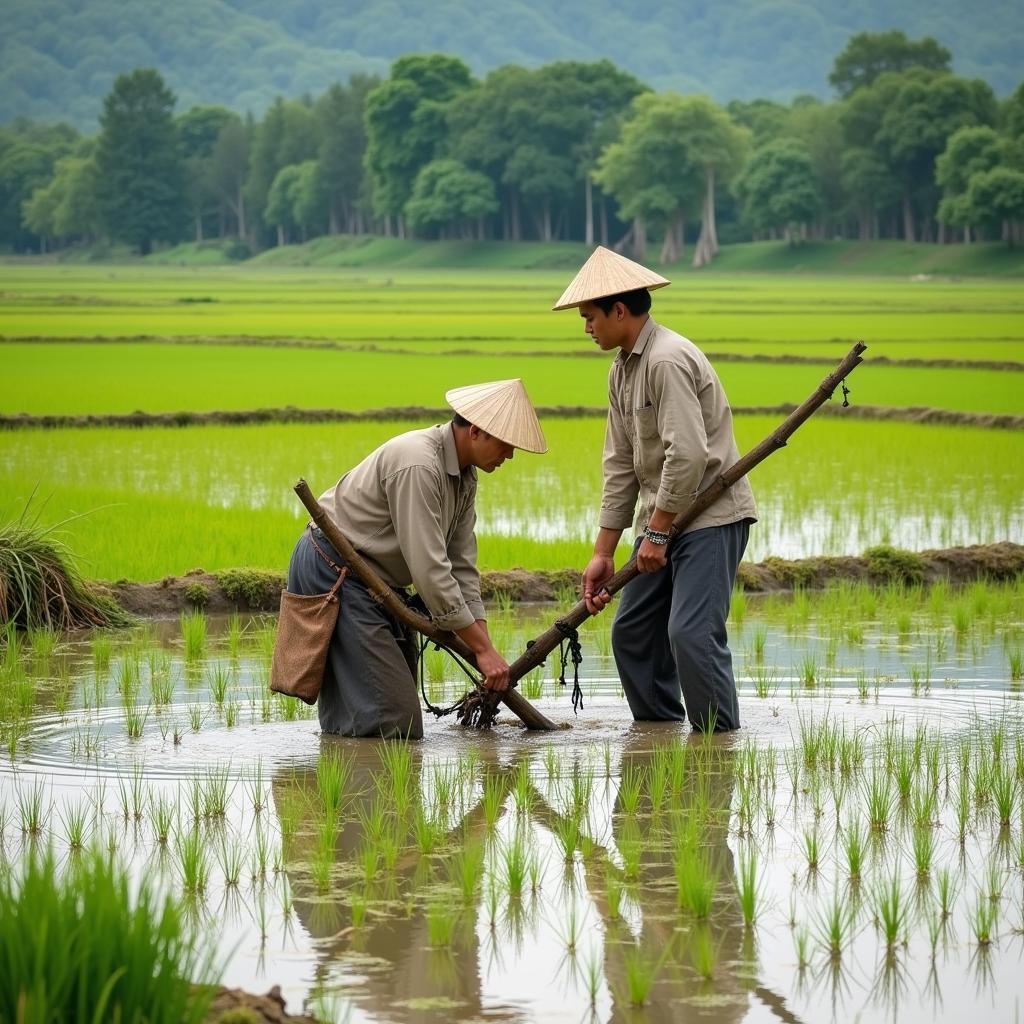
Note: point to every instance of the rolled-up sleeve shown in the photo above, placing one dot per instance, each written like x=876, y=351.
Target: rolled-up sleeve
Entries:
x=414, y=496
x=621, y=486
x=462, y=552
x=681, y=431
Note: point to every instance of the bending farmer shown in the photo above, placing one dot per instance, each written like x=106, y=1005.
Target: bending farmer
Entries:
x=409, y=509
x=668, y=435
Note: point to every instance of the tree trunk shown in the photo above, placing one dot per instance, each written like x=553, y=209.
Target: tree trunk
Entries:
x=589, y=194
x=709, y=215
x=199, y=227
x=909, y=233
x=639, y=238
x=546, y=220
x=517, y=228
x=670, y=246
x=604, y=222
x=626, y=240
x=280, y=234
x=240, y=211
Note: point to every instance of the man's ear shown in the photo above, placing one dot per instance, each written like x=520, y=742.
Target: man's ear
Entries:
x=620, y=310
x=474, y=432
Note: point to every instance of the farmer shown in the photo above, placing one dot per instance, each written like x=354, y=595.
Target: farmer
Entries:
x=668, y=436
x=408, y=509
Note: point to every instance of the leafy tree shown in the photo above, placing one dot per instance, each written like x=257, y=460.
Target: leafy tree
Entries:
x=139, y=163
x=996, y=198
x=870, y=54
x=66, y=208
x=447, y=194
x=229, y=168
x=340, y=116
x=868, y=188
x=279, y=211
x=199, y=129
x=779, y=189
x=406, y=125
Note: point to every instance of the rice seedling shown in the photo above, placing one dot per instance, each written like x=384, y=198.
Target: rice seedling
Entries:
x=216, y=792
x=748, y=885
x=879, y=798
x=925, y=804
x=256, y=788
x=467, y=869
x=1015, y=657
x=358, y=905
x=631, y=785
x=101, y=651
x=33, y=807
x=369, y=861
x=522, y=789
x=232, y=710
x=233, y=636
x=218, y=678
x=194, y=799
x=802, y=945
x=135, y=719
x=193, y=860
x=321, y=867
x=1004, y=794
x=613, y=892
x=581, y=787
x=641, y=970
x=126, y=955
x=231, y=859
x=193, y=634
x=73, y=820
x=704, y=953
x=696, y=881
x=835, y=924
x=963, y=810
x=569, y=933
x=195, y=717
x=983, y=920
x=567, y=832
x=532, y=684
x=945, y=891
x=593, y=975
x=514, y=863
x=162, y=812
x=812, y=849
x=855, y=846
x=441, y=922
x=261, y=854
x=631, y=850
x=892, y=911
x=333, y=771
x=923, y=850
x=535, y=871
x=995, y=879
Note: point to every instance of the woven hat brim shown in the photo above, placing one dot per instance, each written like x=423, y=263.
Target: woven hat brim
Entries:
x=503, y=409
x=607, y=273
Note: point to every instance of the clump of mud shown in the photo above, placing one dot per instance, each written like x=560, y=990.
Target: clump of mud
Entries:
x=258, y=590
x=233, y=1006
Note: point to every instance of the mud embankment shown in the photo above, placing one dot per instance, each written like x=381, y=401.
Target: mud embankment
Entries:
x=426, y=414
x=259, y=590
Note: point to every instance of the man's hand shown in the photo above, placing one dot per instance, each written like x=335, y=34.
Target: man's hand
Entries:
x=494, y=668
x=596, y=574
x=651, y=557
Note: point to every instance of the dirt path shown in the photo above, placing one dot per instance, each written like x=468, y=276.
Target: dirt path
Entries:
x=259, y=590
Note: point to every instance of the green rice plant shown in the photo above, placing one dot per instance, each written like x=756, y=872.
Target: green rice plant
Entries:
x=855, y=842
x=333, y=771
x=1015, y=656
x=216, y=792
x=748, y=885
x=396, y=758
x=945, y=891
x=835, y=924
x=567, y=832
x=581, y=787
x=101, y=650
x=321, y=867
x=125, y=955
x=1004, y=794
x=904, y=769
x=375, y=819
x=444, y=783
x=195, y=716
x=631, y=850
x=193, y=634
x=738, y=605
x=569, y=934
x=812, y=849
x=613, y=892
x=369, y=861
x=135, y=719
x=262, y=853
x=641, y=970
x=33, y=807
x=389, y=847
x=809, y=671
x=994, y=881
x=232, y=710
x=441, y=922
x=759, y=640
x=631, y=786
x=925, y=804
x=491, y=903
x=983, y=920
x=704, y=953
x=193, y=860
x=73, y=820
x=514, y=857
x=879, y=798
x=765, y=680
x=162, y=813
x=593, y=975
x=467, y=869
x=892, y=911
x=922, y=846
x=963, y=810
x=43, y=642
x=522, y=789
x=194, y=799
x=256, y=788
x=427, y=830
x=802, y=946
x=218, y=678
x=535, y=871
x=532, y=684
x=233, y=636
x=696, y=881
x=358, y=904
x=231, y=859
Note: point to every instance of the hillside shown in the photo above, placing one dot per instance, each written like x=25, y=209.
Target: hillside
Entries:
x=58, y=58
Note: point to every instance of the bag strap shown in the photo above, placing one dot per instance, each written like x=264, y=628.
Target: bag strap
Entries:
x=323, y=554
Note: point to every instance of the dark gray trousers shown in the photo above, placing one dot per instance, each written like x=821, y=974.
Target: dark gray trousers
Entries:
x=669, y=637
x=369, y=686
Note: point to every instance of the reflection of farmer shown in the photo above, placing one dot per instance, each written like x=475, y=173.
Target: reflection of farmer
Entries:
x=409, y=509
x=669, y=435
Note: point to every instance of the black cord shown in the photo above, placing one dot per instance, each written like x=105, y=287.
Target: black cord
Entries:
x=571, y=639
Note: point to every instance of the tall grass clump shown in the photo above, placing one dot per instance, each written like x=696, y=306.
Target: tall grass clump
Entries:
x=119, y=958
x=40, y=585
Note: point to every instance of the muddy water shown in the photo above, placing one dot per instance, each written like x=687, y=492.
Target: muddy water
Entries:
x=313, y=912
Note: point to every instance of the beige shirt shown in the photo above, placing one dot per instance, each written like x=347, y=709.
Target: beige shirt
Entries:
x=410, y=511
x=669, y=435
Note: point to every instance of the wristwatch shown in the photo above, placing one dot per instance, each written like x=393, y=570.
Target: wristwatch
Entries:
x=656, y=536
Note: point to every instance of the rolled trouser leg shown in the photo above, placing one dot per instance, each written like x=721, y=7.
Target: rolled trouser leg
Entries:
x=369, y=686
x=704, y=565
x=641, y=648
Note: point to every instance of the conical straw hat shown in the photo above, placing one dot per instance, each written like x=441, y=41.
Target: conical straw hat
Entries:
x=607, y=273
x=503, y=409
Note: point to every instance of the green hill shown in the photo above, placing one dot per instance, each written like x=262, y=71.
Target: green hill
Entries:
x=58, y=58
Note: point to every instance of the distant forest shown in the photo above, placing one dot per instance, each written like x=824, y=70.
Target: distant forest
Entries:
x=569, y=150
x=58, y=58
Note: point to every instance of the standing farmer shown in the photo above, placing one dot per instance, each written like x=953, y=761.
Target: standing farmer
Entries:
x=409, y=509
x=668, y=435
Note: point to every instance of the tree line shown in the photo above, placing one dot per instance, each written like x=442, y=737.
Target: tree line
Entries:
x=570, y=150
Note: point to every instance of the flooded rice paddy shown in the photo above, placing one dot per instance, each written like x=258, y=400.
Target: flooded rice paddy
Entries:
x=855, y=851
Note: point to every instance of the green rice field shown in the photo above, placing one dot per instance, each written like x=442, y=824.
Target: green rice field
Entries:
x=854, y=852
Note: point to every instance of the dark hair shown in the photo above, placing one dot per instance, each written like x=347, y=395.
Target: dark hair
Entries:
x=461, y=421
x=637, y=301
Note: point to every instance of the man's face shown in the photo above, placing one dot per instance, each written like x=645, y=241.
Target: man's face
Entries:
x=489, y=452
x=605, y=328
